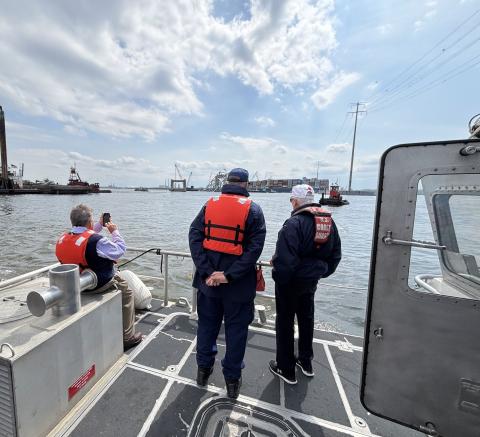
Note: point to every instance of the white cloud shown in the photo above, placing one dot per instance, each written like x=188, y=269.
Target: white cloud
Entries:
x=125, y=68
x=264, y=121
x=431, y=11
x=55, y=163
x=26, y=132
x=250, y=144
x=372, y=86
x=327, y=93
x=384, y=29
x=269, y=155
x=339, y=148
x=213, y=166
x=121, y=163
x=418, y=24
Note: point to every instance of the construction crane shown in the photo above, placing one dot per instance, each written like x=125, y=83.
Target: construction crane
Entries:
x=179, y=183
x=188, y=180
x=177, y=171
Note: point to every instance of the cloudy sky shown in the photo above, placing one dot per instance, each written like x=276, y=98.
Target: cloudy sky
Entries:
x=125, y=89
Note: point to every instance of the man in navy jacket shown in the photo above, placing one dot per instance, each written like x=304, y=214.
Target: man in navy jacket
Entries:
x=306, y=251
x=226, y=240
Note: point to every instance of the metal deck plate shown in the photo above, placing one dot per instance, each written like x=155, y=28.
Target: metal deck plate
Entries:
x=122, y=410
x=156, y=394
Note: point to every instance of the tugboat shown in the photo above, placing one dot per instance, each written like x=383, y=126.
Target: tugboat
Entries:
x=76, y=181
x=335, y=198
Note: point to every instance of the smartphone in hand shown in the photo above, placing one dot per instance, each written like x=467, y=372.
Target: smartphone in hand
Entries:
x=106, y=218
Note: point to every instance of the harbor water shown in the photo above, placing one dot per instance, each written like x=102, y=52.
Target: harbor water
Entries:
x=30, y=225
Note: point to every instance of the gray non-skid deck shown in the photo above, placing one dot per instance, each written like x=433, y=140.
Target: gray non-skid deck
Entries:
x=155, y=394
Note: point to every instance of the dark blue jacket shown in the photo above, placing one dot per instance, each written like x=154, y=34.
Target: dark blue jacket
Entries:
x=296, y=258
x=239, y=270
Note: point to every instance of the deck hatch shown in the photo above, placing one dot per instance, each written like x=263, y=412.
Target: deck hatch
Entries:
x=7, y=411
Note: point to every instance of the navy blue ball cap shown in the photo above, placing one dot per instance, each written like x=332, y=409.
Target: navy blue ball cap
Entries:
x=238, y=175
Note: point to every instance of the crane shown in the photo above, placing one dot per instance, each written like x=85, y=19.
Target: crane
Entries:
x=188, y=180
x=177, y=171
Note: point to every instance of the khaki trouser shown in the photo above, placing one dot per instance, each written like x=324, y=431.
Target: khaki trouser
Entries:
x=128, y=307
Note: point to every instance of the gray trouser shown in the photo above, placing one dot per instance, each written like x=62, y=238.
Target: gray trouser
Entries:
x=128, y=307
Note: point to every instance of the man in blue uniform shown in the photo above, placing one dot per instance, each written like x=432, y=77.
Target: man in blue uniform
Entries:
x=226, y=240
x=308, y=248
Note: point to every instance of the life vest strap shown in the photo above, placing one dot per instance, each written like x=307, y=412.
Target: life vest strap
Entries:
x=322, y=223
x=237, y=229
x=224, y=224
x=224, y=240
x=230, y=228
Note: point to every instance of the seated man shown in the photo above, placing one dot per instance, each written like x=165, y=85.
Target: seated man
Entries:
x=85, y=247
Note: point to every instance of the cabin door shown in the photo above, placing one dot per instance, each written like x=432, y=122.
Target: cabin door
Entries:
x=421, y=363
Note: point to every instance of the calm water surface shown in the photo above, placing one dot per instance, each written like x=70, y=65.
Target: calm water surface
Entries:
x=31, y=224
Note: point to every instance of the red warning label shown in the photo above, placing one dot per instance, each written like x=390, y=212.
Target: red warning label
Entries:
x=81, y=382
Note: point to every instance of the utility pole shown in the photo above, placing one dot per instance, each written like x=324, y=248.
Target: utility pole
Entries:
x=3, y=147
x=356, y=112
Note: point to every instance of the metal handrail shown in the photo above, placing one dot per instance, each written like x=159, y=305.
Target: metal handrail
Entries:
x=181, y=254
x=165, y=253
x=26, y=276
x=420, y=280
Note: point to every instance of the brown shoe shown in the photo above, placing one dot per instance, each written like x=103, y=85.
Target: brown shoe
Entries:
x=132, y=341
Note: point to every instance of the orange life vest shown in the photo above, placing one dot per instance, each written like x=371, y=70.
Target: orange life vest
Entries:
x=323, y=223
x=70, y=248
x=225, y=218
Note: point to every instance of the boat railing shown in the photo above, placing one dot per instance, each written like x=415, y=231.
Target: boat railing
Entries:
x=421, y=281
x=26, y=276
x=166, y=254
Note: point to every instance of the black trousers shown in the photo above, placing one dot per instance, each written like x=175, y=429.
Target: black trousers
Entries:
x=294, y=300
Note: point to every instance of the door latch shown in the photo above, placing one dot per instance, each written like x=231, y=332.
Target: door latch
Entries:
x=389, y=241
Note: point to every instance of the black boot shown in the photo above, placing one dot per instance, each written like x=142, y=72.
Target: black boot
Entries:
x=233, y=387
x=203, y=374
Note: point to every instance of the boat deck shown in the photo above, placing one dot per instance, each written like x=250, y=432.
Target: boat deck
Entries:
x=154, y=393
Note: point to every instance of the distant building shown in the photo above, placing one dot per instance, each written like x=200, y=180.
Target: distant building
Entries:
x=285, y=185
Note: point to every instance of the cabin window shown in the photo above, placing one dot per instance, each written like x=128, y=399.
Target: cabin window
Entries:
x=447, y=214
x=423, y=262
x=458, y=218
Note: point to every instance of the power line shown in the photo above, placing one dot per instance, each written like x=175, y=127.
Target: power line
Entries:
x=378, y=95
x=432, y=70
x=445, y=78
x=341, y=128
x=347, y=135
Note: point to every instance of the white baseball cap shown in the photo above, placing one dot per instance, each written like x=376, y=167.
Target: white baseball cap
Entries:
x=303, y=191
